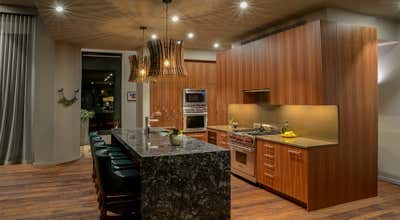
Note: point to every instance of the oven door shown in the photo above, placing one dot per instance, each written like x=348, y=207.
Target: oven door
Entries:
x=194, y=97
x=195, y=122
x=243, y=161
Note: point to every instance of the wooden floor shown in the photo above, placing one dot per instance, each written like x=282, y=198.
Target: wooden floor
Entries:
x=67, y=192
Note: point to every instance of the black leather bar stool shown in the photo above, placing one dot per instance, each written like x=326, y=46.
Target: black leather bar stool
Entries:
x=119, y=190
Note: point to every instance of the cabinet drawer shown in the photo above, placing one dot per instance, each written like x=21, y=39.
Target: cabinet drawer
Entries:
x=269, y=148
x=269, y=159
x=269, y=179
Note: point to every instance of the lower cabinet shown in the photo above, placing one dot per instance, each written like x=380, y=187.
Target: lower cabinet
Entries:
x=219, y=138
x=198, y=135
x=283, y=168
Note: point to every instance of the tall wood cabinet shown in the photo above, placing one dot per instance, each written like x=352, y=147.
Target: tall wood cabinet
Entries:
x=316, y=63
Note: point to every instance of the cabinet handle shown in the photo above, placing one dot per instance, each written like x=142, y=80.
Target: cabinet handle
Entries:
x=294, y=152
x=268, y=146
x=269, y=175
x=269, y=165
x=268, y=155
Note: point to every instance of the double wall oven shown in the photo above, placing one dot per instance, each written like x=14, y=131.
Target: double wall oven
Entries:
x=194, y=110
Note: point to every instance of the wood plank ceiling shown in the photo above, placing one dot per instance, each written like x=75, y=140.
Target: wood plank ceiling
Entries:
x=111, y=24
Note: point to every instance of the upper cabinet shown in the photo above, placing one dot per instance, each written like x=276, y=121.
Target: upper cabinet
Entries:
x=289, y=63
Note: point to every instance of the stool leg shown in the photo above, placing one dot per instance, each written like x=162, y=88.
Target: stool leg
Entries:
x=103, y=214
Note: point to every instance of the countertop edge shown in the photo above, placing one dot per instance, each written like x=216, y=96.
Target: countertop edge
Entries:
x=298, y=145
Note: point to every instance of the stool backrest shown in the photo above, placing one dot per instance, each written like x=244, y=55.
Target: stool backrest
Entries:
x=104, y=170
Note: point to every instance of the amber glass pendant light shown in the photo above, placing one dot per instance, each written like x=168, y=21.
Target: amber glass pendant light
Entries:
x=140, y=63
x=166, y=55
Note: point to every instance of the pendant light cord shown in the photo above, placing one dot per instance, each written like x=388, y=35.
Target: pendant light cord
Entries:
x=166, y=22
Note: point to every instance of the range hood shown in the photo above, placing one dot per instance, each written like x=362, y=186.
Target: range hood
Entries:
x=256, y=96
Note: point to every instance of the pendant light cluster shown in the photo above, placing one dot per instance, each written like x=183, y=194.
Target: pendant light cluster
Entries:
x=161, y=57
x=140, y=63
x=166, y=55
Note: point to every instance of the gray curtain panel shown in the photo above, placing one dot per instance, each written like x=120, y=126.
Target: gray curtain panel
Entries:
x=16, y=49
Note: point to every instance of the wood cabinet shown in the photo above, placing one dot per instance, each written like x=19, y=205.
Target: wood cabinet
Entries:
x=289, y=63
x=292, y=163
x=266, y=168
x=166, y=95
x=219, y=138
x=283, y=168
x=198, y=135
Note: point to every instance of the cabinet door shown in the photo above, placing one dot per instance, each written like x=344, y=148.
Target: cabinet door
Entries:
x=222, y=139
x=198, y=135
x=293, y=172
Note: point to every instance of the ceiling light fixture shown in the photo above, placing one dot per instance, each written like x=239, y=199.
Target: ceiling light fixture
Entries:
x=166, y=55
x=154, y=36
x=175, y=18
x=59, y=8
x=216, y=45
x=190, y=35
x=243, y=4
x=140, y=63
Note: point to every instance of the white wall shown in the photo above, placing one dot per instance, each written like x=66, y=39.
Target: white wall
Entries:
x=55, y=131
x=43, y=96
x=389, y=112
x=387, y=29
x=67, y=75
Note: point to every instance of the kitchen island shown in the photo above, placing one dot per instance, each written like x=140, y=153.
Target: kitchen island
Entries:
x=191, y=181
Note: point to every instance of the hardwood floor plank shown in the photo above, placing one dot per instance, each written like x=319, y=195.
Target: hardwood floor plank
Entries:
x=67, y=192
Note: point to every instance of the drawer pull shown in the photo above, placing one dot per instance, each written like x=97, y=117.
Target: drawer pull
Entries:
x=268, y=155
x=269, y=165
x=269, y=175
x=294, y=152
x=268, y=146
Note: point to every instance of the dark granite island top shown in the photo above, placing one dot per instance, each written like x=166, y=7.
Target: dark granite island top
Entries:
x=191, y=181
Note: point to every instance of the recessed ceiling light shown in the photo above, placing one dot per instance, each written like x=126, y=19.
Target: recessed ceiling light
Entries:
x=190, y=35
x=243, y=4
x=154, y=36
x=216, y=45
x=59, y=8
x=175, y=18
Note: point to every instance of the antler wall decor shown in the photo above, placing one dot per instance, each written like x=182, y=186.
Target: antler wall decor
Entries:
x=63, y=100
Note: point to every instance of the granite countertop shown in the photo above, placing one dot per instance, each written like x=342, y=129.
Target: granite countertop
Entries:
x=225, y=128
x=302, y=142
x=157, y=144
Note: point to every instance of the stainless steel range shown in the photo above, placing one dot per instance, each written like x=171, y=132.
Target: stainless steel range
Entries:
x=243, y=152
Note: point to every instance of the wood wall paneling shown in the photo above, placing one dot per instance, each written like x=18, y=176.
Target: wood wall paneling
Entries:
x=166, y=94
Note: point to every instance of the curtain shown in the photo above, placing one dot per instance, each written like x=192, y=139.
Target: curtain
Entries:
x=16, y=68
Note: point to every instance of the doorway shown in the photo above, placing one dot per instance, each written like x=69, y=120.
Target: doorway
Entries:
x=101, y=89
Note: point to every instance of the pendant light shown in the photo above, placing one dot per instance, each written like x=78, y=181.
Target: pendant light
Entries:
x=140, y=63
x=166, y=55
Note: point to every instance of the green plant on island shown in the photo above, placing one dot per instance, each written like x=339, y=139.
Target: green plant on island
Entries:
x=176, y=132
x=86, y=114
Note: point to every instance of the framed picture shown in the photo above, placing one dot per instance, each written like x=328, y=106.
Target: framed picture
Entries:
x=131, y=96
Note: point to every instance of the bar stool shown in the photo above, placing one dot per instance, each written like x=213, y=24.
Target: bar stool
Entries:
x=119, y=190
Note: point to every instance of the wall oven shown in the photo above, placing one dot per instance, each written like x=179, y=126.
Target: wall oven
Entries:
x=194, y=97
x=193, y=122
x=194, y=110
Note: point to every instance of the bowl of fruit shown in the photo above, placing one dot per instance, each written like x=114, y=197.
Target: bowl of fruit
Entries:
x=288, y=134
